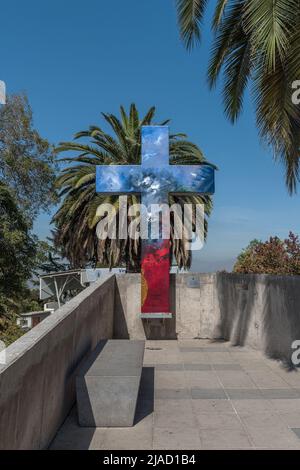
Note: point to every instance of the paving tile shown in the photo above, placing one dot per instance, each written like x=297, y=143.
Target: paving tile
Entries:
x=253, y=365
x=218, y=420
x=222, y=439
x=268, y=379
x=138, y=437
x=220, y=358
x=176, y=439
x=246, y=355
x=297, y=432
x=178, y=366
x=73, y=437
x=227, y=366
x=235, y=379
x=174, y=413
x=261, y=419
x=195, y=358
x=252, y=406
x=273, y=437
x=291, y=377
x=280, y=393
x=212, y=406
x=202, y=379
x=173, y=394
x=165, y=379
x=159, y=357
x=244, y=394
x=150, y=360
x=290, y=418
x=197, y=366
x=98, y=439
x=201, y=374
x=163, y=356
x=208, y=394
x=244, y=352
x=286, y=404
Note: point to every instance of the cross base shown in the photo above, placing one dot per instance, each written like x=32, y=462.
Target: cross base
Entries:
x=156, y=315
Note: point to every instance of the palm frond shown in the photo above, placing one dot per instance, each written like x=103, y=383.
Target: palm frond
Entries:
x=190, y=14
x=228, y=34
x=219, y=12
x=270, y=24
x=237, y=72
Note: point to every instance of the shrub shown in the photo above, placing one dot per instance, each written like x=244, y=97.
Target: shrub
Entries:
x=273, y=256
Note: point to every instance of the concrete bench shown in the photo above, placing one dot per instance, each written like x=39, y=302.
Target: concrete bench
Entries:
x=107, y=385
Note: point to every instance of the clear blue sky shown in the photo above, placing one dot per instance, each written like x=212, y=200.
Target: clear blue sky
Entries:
x=76, y=58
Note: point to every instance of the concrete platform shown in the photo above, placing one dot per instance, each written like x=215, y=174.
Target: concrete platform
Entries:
x=198, y=394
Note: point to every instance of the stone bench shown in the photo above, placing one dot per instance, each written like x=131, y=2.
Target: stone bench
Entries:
x=107, y=385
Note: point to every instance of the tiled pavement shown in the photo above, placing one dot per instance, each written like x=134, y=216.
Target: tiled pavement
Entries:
x=198, y=394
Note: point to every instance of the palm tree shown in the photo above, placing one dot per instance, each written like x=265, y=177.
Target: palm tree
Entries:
x=76, y=218
x=256, y=41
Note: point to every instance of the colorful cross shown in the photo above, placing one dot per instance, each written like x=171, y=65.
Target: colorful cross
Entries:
x=155, y=179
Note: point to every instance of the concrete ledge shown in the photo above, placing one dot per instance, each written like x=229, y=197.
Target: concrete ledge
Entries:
x=37, y=384
x=107, y=385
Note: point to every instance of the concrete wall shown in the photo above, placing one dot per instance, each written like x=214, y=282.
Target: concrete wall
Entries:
x=193, y=308
x=261, y=311
x=37, y=385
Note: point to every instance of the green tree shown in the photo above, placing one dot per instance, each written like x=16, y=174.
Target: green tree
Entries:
x=27, y=162
x=27, y=170
x=17, y=246
x=273, y=256
x=76, y=219
x=18, y=254
x=256, y=42
x=51, y=258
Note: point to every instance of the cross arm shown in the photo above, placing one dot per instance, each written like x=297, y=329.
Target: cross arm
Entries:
x=117, y=179
x=193, y=179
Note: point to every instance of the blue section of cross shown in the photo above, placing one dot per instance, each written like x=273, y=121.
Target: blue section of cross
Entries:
x=155, y=178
